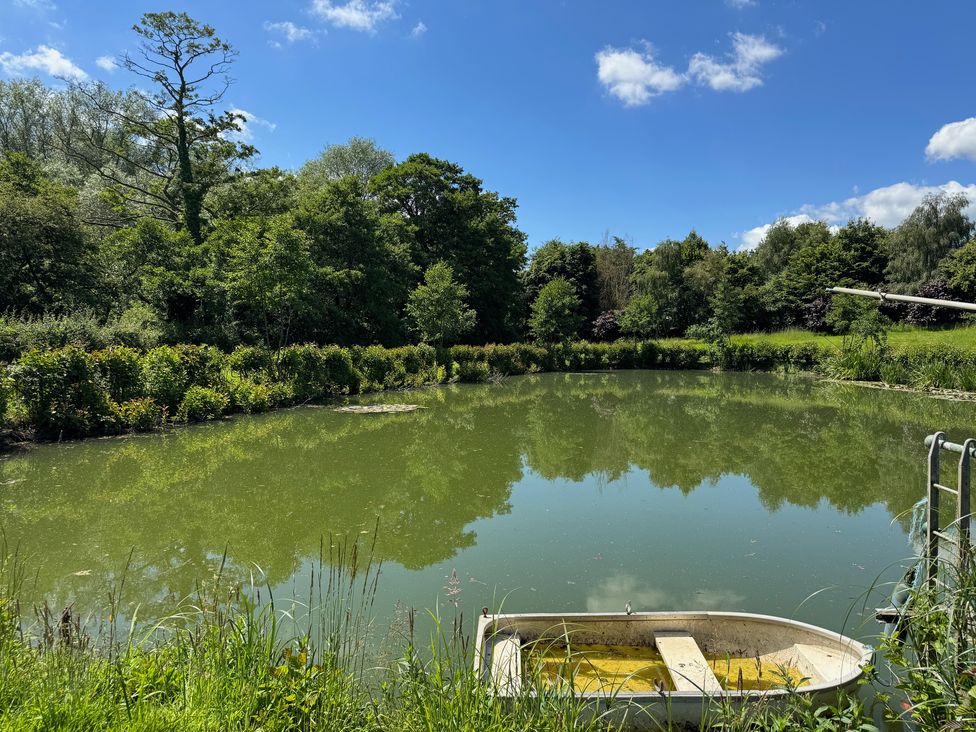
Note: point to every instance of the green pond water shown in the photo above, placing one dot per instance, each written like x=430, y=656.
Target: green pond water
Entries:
x=671, y=490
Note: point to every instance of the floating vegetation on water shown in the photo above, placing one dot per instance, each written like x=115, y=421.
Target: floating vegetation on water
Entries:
x=378, y=408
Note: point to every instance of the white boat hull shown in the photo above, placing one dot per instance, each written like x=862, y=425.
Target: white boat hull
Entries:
x=829, y=661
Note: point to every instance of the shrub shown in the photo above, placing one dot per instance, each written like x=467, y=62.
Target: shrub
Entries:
x=121, y=371
x=251, y=361
x=419, y=363
x=928, y=315
x=140, y=415
x=630, y=355
x=164, y=377
x=281, y=395
x=5, y=389
x=201, y=364
x=607, y=326
x=61, y=393
x=139, y=326
x=315, y=372
x=680, y=356
x=464, y=360
x=200, y=403
x=248, y=396
x=381, y=369
x=515, y=359
x=475, y=372
x=49, y=332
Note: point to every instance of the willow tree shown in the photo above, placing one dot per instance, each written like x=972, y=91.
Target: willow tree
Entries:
x=177, y=145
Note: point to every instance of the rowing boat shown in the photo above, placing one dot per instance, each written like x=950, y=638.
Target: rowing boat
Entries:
x=664, y=665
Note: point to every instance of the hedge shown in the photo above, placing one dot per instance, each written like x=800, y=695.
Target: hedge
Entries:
x=71, y=392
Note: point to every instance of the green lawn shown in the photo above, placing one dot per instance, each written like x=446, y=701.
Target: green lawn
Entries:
x=900, y=336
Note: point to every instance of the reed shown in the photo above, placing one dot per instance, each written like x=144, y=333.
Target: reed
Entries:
x=236, y=658
x=935, y=661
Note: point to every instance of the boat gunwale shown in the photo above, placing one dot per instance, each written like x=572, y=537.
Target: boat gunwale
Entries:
x=863, y=652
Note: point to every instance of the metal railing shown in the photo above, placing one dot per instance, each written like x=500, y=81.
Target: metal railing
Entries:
x=936, y=533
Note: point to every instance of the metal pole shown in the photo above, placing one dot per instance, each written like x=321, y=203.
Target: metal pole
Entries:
x=953, y=446
x=932, y=570
x=962, y=505
x=884, y=296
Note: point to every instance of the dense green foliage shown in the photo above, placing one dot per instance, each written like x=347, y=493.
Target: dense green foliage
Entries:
x=555, y=312
x=438, y=307
x=136, y=218
x=71, y=392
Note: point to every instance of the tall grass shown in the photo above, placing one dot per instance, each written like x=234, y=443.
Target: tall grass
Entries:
x=937, y=666
x=236, y=658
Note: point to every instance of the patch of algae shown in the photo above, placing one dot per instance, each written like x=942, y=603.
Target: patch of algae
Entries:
x=614, y=668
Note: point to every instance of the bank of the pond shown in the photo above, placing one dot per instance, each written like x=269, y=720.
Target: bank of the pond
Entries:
x=69, y=392
x=237, y=666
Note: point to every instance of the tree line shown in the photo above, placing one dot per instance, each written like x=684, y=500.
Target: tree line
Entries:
x=145, y=207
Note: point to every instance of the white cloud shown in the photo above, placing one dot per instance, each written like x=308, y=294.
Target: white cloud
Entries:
x=44, y=5
x=289, y=32
x=44, y=58
x=954, y=140
x=741, y=70
x=750, y=239
x=247, y=125
x=633, y=76
x=107, y=63
x=361, y=15
x=418, y=30
x=740, y=4
x=887, y=206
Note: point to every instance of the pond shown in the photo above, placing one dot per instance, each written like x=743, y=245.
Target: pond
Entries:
x=668, y=490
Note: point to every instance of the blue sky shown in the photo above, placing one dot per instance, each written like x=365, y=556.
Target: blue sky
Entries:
x=636, y=118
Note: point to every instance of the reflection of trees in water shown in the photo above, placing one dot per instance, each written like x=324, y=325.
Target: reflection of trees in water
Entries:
x=269, y=488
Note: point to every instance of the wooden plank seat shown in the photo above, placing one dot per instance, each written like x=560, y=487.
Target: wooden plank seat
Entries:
x=506, y=665
x=688, y=667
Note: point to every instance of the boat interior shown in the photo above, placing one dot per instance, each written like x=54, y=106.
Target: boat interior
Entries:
x=705, y=654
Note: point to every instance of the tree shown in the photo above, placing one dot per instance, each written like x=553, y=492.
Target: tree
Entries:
x=151, y=264
x=642, y=316
x=556, y=313
x=810, y=271
x=783, y=240
x=743, y=280
x=447, y=216
x=614, y=263
x=933, y=230
x=46, y=262
x=272, y=279
x=176, y=147
x=359, y=158
x=575, y=263
x=663, y=284
x=958, y=271
x=438, y=307
x=263, y=192
x=373, y=267
x=865, y=246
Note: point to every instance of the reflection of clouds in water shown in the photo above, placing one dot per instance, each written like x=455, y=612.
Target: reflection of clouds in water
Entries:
x=619, y=589
x=616, y=591
x=715, y=600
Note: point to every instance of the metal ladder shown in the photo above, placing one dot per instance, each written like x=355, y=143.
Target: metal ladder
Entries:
x=935, y=532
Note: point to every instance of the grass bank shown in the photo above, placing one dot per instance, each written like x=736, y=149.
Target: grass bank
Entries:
x=226, y=663
x=71, y=392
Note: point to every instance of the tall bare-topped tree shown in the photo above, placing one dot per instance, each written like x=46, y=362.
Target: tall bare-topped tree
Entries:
x=177, y=145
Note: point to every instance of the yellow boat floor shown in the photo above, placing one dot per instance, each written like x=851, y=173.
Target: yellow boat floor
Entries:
x=611, y=669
